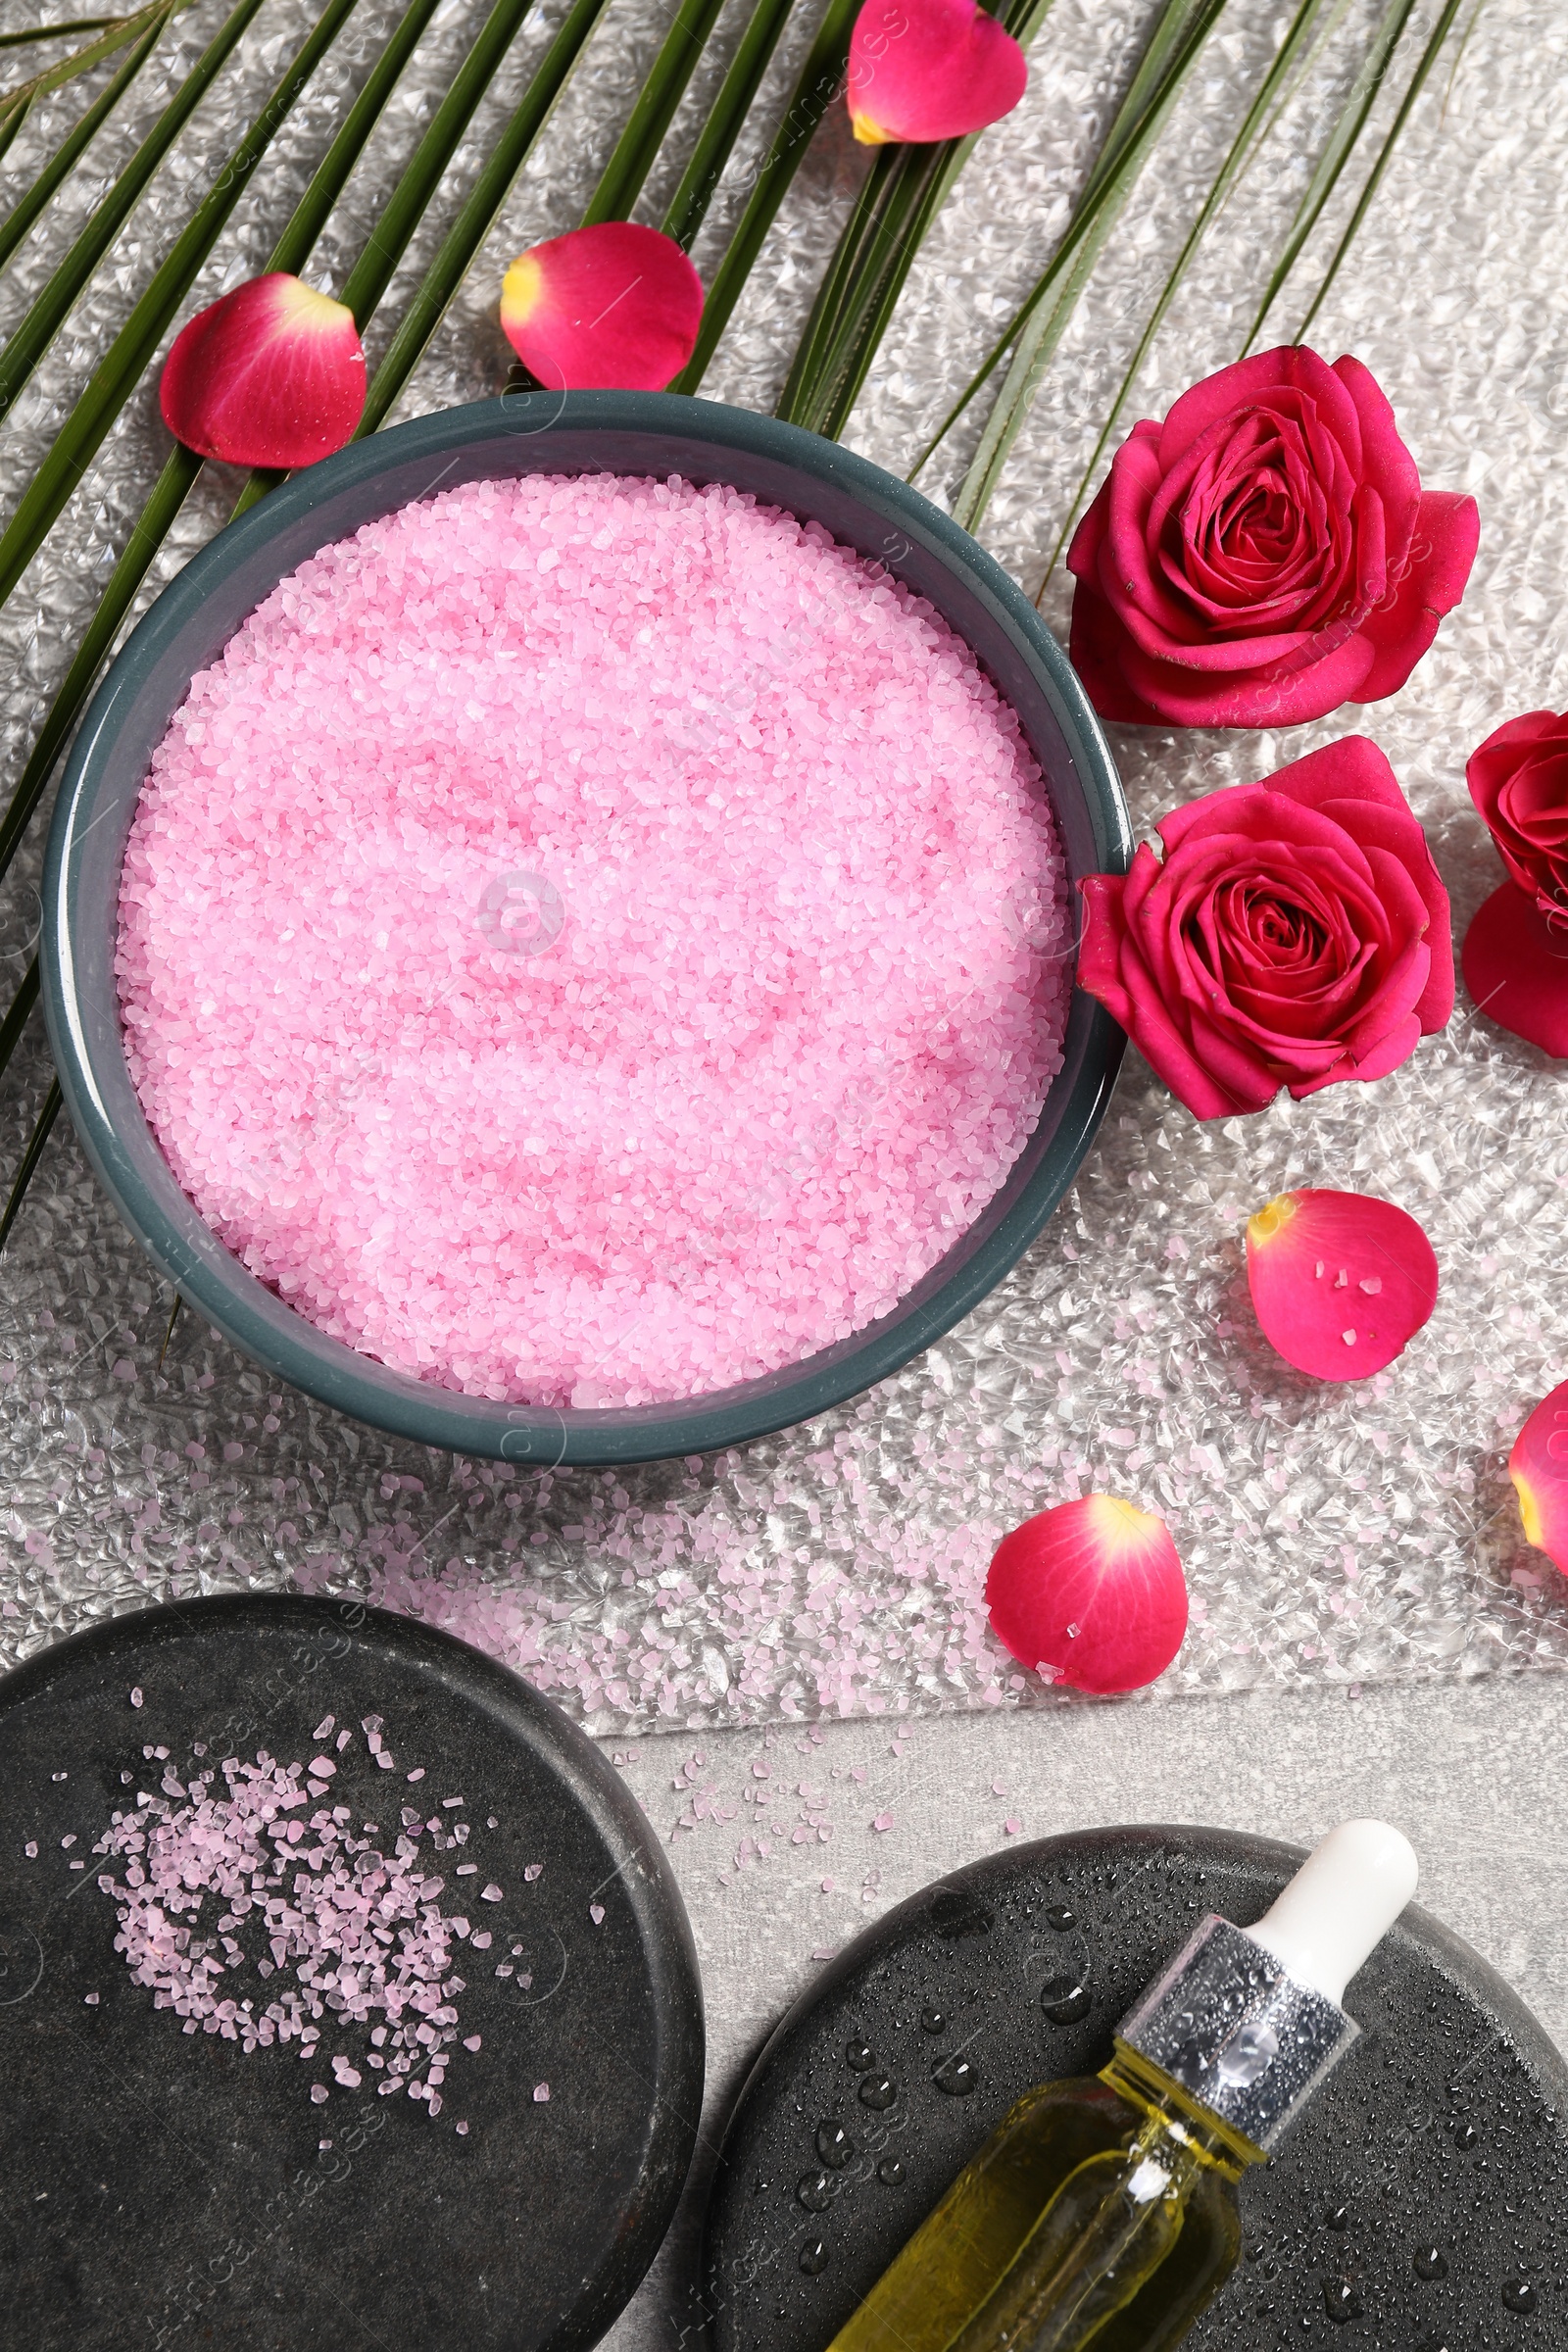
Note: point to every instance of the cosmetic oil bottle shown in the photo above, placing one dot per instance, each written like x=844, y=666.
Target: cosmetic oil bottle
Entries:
x=1101, y=2211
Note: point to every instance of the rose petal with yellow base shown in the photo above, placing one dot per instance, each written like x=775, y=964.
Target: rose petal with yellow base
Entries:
x=270, y=374
x=1538, y=1468
x=1340, y=1282
x=1090, y=1593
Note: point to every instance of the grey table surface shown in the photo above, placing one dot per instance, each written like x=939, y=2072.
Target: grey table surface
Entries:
x=1477, y=1776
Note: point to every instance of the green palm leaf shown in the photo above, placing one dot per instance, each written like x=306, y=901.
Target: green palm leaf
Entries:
x=54, y=32
x=1246, y=143
x=28, y=208
x=1036, y=328
x=37, y=329
x=715, y=141
x=1428, y=58
x=820, y=85
x=632, y=158
x=1331, y=163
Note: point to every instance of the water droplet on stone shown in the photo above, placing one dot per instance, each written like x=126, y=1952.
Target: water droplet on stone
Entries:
x=813, y=2258
x=878, y=2092
x=1064, y=2000
x=859, y=2056
x=890, y=2170
x=833, y=2143
x=957, y=2076
x=814, y=2190
x=1466, y=2134
x=1340, y=2300
x=1339, y=2218
x=932, y=2021
x=1518, y=2295
x=1427, y=2262
x=1059, y=1916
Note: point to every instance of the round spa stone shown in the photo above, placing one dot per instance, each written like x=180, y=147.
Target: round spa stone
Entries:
x=167, y=2189
x=1420, y=2204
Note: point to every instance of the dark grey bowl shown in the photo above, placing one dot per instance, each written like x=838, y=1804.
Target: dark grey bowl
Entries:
x=583, y=432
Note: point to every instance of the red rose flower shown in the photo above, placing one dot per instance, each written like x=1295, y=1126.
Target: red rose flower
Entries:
x=1294, y=934
x=1516, y=950
x=1265, y=555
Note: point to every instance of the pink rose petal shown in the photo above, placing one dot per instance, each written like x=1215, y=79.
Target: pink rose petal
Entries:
x=1538, y=1468
x=1515, y=961
x=270, y=374
x=926, y=70
x=611, y=307
x=1340, y=1282
x=1091, y=1592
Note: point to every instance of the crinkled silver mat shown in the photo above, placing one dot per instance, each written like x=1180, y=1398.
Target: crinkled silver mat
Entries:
x=1329, y=1534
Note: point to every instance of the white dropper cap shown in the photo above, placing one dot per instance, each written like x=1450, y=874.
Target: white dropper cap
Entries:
x=1340, y=1903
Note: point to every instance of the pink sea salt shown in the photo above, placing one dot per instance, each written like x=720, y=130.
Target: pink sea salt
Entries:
x=592, y=940
x=213, y=1874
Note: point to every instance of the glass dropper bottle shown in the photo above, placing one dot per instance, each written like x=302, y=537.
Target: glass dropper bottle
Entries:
x=1101, y=2211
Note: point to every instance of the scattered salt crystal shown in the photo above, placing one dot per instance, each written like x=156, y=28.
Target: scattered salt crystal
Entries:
x=480, y=1939
x=490, y=1893
x=470, y=2041
x=541, y=2092
x=319, y=2094
x=1011, y=1828
x=596, y=1912
x=418, y=1774
x=136, y=1698
x=30, y=1850
x=314, y=866
x=463, y=2131
x=882, y=1821
x=90, y=2000
x=532, y=1872
x=359, y=1929
x=323, y=1731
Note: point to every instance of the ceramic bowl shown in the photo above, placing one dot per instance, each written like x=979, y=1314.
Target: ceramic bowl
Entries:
x=603, y=432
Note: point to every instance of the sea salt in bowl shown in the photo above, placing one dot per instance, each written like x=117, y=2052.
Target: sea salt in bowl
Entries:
x=131, y=977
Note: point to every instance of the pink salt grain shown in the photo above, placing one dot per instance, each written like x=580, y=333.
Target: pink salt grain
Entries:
x=541, y=2092
x=211, y=1881
x=589, y=942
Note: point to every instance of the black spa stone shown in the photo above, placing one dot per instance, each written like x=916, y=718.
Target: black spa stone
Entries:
x=1421, y=2201
x=165, y=2191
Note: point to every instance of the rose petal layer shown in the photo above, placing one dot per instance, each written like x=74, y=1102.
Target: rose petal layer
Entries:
x=611, y=308
x=1091, y=1594
x=1516, y=967
x=1538, y=1468
x=1340, y=1282
x=270, y=374
x=927, y=69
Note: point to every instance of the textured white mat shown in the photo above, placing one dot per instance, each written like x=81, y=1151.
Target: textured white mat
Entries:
x=1335, y=1536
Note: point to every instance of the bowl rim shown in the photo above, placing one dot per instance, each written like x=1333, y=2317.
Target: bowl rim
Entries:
x=278, y=1336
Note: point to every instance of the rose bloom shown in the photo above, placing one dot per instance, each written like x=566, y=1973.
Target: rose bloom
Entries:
x=1516, y=950
x=1265, y=555
x=1294, y=934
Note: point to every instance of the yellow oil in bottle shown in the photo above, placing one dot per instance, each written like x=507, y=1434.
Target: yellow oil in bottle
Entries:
x=1100, y=2212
